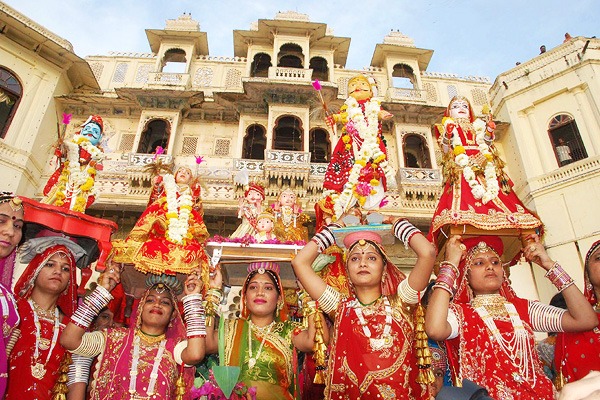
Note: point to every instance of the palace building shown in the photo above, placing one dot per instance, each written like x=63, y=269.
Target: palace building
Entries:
x=258, y=112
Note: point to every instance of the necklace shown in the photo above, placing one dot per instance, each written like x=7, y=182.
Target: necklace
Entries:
x=150, y=339
x=368, y=304
x=135, y=361
x=264, y=332
x=517, y=348
x=493, y=304
x=38, y=370
x=385, y=341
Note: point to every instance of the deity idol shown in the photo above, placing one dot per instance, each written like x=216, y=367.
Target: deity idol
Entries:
x=289, y=218
x=476, y=191
x=264, y=227
x=250, y=209
x=72, y=185
x=359, y=170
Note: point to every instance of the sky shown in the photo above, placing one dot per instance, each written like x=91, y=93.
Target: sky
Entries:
x=469, y=37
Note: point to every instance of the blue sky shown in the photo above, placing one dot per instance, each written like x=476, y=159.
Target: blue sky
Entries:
x=483, y=38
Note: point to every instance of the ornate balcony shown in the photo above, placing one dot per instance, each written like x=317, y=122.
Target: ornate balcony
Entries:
x=420, y=187
x=400, y=94
x=168, y=79
x=290, y=74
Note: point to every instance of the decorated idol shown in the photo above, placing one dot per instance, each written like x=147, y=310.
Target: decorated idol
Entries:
x=72, y=184
x=250, y=209
x=289, y=218
x=168, y=238
x=476, y=192
x=358, y=172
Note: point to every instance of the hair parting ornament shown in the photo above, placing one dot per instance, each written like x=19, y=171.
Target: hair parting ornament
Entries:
x=13, y=201
x=481, y=247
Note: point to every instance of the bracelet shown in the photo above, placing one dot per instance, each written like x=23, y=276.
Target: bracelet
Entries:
x=404, y=231
x=407, y=293
x=324, y=239
x=446, y=278
x=559, y=277
x=194, y=315
x=214, y=296
x=91, y=307
x=79, y=369
x=329, y=300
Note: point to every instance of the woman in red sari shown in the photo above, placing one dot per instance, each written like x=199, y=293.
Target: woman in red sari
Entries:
x=169, y=236
x=143, y=361
x=488, y=329
x=476, y=190
x=578, y=353
x=46, y=297
x=372, y=354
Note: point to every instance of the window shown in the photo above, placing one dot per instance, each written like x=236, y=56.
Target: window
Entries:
x=288, y=134
x=319, y=69
x=155, y=134
x=319, y=145
x=260, y=65
x=255, y=142
x=403, y=77
x=565, y=138
x=10, y=95
x=174, y=62
x=416, y=152
x=290, y=56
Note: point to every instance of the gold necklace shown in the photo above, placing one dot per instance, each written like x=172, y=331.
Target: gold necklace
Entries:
x=43, y=313
x=150, y=339
x=264, y=332
x=493, y=304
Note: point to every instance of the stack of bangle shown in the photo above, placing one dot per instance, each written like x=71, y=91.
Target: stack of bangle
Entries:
x=194, y=315
x=407, y=293
x=329, y=300
x=325, y=238
x=559, y=277
x=213, y=299
x=446, y=278
x=404, y=231
x=79, y=370
x=91, y=307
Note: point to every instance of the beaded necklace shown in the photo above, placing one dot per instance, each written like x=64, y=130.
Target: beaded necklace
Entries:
x=134, y=366
x=38, y=370
x=252, y=360
x=385, y=341
x=517, y=348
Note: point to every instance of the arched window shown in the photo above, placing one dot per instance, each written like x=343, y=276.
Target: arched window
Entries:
x=174, y=61
x=260, y=65
x=319, y=146
x=155, y=134
x=403, y=77
x=290, y=56
x=288, y=134
x=564, y=135
x=416, y=152
x=319, y=68
x=10, y=95
x=255, y=142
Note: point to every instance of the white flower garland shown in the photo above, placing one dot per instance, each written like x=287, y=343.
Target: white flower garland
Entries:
x=462, y=160
x=367, y=126
x=178, y=210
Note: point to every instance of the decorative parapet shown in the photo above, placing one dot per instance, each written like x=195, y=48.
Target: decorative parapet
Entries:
x=420, y=188
x=127, y=54
x=419, y=176
x=141, y=160
x=399, y=39
x=290, y=74
x=400, y=94
x=443, y=75
x=168, y=79
x=582, y=169
x=222, y=59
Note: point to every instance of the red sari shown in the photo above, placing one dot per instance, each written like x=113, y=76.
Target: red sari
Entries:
x=356, y=371
x=21, y=383
x=479, y=359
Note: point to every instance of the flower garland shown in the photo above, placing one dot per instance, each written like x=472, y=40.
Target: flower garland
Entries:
x=80, y=180
x=462, y=160
x=367, y=159
x=179, y=209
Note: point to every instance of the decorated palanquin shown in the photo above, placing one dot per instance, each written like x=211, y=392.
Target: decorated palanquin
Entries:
x=169, y=236
x=72, y=184
x=478, y=197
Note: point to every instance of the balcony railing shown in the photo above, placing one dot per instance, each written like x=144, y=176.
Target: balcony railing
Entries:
x=168, y=79
x=419, y=176
x=290, y=74
x=400, y=94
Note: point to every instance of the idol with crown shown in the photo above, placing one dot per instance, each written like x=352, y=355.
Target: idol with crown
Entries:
x=358, y=173
x=169, y=236
x=477, y=192
x=72, y=184
x=289, y=222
